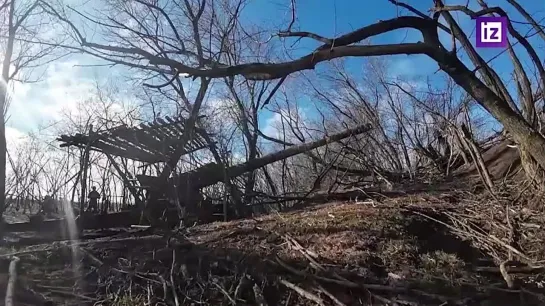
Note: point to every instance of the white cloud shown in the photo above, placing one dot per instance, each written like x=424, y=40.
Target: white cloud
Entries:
x=14, y=137
x=403, y=67
x=63, y=86
x=273, y=125
x=279, y=124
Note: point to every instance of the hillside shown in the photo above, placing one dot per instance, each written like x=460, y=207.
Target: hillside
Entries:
x=425, y=249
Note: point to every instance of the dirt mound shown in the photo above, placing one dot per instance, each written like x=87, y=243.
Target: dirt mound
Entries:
x=502, y=159
x=405, y=250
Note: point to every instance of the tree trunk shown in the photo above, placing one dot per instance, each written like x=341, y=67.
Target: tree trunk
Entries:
x=532, y=169
x=3, y=149
x=3, y=105
x=530, y=140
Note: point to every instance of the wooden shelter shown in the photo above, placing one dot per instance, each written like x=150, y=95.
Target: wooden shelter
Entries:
x=152, y=143
x=149, y=143
x=157, y=142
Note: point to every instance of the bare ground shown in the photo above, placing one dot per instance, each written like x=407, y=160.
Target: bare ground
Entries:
x=422, y=249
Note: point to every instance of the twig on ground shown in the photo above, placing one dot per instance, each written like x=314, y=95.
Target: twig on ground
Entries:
x=227, y=295
x=173, y=284
x=165, y=287
x=10, y=290
x=99, y=263
x=259, y=298
x=302, y=292
x=72, y=294
x=309, y=255
x=382, y=299
x=331, y=296
x=67, y=244
x=483, y=237
x=527, y=260
x=345, y=283
x=506, y=276
x=92, y=257
x=239, y=286
x=511, y=269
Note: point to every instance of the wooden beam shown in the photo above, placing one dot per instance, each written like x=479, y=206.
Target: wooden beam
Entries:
x=85, y=166
x=150, y=143
x=135, y=138
x=130, y=153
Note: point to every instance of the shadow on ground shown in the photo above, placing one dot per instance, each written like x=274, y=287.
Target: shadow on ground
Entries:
x=334, y=254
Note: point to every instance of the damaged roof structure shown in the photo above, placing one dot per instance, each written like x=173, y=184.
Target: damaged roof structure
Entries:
x=148, y=142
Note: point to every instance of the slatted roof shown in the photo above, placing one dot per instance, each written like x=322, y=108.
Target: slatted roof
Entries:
x=148, y=142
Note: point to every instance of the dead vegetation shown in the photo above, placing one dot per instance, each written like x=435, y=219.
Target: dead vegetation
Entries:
x=451, y=248
x=381, y=190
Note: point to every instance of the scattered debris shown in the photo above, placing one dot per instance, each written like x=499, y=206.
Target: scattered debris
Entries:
x=412, y=250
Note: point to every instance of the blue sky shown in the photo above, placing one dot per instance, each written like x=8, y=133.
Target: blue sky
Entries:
x=65, y=82
x=333, y=18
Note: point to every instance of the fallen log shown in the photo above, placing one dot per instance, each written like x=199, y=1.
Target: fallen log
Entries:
x=123, y=219
x=213, y=173
x=120, y=219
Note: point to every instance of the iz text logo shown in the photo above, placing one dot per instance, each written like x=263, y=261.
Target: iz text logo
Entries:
x=491, y=32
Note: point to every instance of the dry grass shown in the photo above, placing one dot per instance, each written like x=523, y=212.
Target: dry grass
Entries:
x=409, y=249
x=124, y=300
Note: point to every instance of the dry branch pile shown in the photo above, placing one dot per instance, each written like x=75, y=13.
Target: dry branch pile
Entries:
x=412, y=250
x=508, y=229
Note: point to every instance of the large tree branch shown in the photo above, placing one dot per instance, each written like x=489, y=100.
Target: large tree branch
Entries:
x=490, y=77
x=538, y=28
x=521, y=39
x=418, y=13
x=344, y=46
x=260, y=71
x=267, y=71
x=317, y=37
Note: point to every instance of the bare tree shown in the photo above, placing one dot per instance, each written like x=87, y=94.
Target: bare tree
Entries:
x=248, y=99
x=487, y=88
x=23, y=26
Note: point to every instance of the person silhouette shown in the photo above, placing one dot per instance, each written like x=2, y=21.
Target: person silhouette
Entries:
x=93, y=196
x=48, y=206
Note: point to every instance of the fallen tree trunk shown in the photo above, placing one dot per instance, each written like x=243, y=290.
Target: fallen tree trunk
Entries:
x=113, y=220
x=292, y=151
x=213, y=173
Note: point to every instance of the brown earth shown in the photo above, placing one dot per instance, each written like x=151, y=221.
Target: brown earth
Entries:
x=502, y=159
x=419, y=249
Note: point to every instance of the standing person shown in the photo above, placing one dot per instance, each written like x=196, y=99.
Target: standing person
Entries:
x=48, y=206
x=93, y=200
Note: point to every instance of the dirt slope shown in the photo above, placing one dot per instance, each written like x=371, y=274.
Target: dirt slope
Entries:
x=350, y=253
x=501, y=159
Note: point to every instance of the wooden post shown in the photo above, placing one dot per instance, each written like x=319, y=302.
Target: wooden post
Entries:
x=78, y=178
x=85, y=166
x=124, y=198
